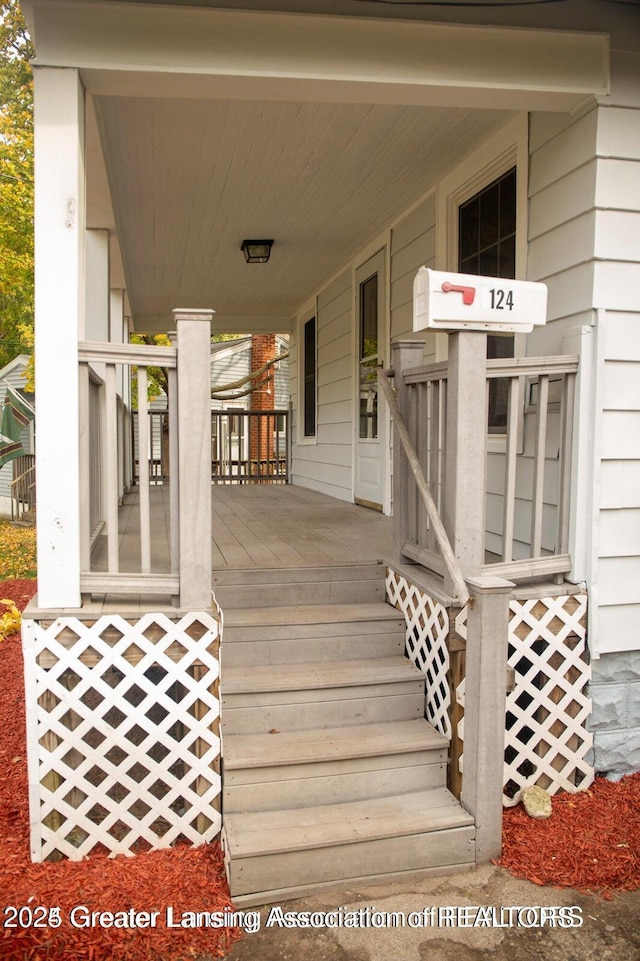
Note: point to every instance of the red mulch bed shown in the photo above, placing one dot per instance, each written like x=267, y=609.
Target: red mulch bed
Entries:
x=591, y=842
x=184, y=878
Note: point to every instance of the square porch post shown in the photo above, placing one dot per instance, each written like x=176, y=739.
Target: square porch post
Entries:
x=465, y=467
x=194, y=456
x=484, y=710
x=59, y=313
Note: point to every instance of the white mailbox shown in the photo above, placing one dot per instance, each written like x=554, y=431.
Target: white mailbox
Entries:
x=447, y=301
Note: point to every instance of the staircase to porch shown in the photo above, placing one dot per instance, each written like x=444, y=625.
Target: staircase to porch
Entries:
x=331, y=772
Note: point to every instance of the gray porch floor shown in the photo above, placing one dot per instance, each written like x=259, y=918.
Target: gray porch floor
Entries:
x=261, y=526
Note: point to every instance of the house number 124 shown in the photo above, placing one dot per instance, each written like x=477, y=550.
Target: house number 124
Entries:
x=501, y=299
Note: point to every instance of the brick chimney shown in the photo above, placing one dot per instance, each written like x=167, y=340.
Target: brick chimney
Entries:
x=261, y=450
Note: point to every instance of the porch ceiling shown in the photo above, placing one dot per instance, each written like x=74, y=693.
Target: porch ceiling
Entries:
x=191, y=178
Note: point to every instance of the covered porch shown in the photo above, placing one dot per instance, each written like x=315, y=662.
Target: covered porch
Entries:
x=184, y=150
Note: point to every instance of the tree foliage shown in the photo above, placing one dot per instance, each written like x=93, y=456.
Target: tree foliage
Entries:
x=16, y=183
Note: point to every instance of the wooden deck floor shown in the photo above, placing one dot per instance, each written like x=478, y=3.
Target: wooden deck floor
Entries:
x=256, y=526
x=288, y=526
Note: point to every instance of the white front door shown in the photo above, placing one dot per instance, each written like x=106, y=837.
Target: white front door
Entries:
x=369, y=432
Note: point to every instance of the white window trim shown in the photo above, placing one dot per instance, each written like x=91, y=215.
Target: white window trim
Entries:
x=508, y=148
x=303, y=440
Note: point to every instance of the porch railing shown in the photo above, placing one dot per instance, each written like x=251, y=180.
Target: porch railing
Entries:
x=108, y=373
x=250, y=447
x=169, y=559
x=527, y=470
x=247, y=447
x=23, y=486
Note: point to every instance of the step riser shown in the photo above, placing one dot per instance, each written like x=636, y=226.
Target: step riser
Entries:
x=298, y=575
x=321, y=714
x=278, y=895
x=320, y=630
x=307, y=785
x=453, y=847
x=301, y=650
x=281, y=595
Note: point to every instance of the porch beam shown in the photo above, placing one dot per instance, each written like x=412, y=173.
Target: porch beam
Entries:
x=246, y=54
x=59, y=322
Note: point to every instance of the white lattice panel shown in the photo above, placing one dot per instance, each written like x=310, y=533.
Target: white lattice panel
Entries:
x=546, y=738
x=122, y=733
x=547, y=742
x=426, y=644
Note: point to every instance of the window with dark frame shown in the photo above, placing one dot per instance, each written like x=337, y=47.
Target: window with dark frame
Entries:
x=487, y=246
x=368, y=358
x=309, y=377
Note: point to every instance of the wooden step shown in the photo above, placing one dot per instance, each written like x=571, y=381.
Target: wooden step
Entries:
x=313, y=585
x=334, y=744
x=320, y=695
x=290, y=849
x=308, y=768
x=307, y=615
x=313, y=633
x=309, y=677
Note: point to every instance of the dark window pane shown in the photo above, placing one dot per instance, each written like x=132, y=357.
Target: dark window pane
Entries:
x=310, y=378
x=469, y=228
x=489, y=216
x=508, y=204
x=487, y=245
x=507, y=260
x=471, y=265
x=369, y=317
x=498, y=405
x=368, y=400
x=499, y=346
x=489, y=261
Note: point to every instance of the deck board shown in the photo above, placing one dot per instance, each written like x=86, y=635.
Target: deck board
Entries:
x=261, y=526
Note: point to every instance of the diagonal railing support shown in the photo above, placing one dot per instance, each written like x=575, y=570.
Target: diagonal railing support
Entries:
x=442, y=539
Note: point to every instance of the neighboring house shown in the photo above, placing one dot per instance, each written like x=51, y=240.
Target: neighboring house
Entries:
x=232, y=390
x=231, y=362
x=367, y=141
x=14, y=373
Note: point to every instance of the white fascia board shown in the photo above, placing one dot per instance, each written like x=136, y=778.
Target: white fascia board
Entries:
x=224, y=350
x=20, y=361
x=129, y=48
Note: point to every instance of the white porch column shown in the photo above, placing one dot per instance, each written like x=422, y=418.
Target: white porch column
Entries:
x=194, y=438
x=117, y=336
x=59, y=310
x=97, y=285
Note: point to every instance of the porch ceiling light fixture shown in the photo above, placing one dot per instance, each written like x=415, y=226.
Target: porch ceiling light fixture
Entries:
x=256, y=251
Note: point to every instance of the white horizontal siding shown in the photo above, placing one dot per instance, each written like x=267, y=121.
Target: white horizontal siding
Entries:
x=621, y=435
x=616, y=286
x=621, y=382
x=618, y=184
x=620, y=624
x=563, y=247
x=620, y=484
x=413, y=245
x=621, y=341
x=620, y=532
x=563, y=200
x=325, y=464
x=619, y=582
